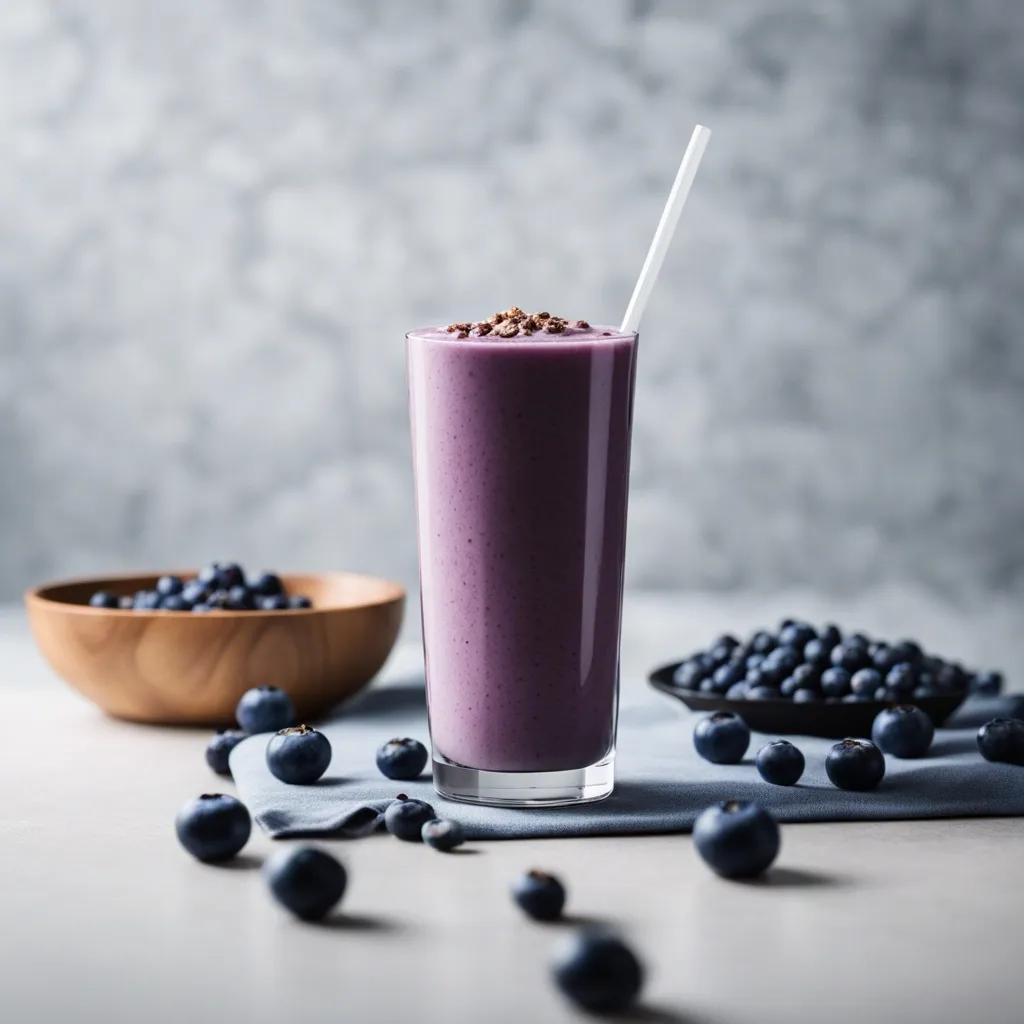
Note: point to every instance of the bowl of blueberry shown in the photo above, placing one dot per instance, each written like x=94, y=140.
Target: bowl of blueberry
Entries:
x=182, y=648
x=818, y=681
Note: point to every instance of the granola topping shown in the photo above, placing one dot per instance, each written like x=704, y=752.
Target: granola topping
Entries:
x=513, y=322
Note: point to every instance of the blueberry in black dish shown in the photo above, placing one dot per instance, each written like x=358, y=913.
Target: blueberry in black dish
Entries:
x=737, y=838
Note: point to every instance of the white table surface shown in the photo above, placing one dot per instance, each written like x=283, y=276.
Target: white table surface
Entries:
x=104, y=918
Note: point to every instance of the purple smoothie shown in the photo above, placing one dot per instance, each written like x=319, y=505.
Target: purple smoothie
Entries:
x=521, y=453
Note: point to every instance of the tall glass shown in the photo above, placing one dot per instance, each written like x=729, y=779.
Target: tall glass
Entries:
x=521, y=457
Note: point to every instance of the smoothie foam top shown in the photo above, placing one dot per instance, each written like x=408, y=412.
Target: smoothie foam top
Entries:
x=513, y=324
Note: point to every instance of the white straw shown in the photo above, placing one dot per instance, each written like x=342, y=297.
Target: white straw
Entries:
x=666, y=228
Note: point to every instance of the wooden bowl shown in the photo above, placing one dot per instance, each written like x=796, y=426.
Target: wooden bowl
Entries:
x=176, y=668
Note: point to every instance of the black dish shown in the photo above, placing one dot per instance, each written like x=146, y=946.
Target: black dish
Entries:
x=831, y=719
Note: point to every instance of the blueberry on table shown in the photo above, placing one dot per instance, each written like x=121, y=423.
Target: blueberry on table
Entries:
x=264, y=709
x=903, y=731
x=780, y=763
x=214, y=827
x=902, y=678
x=405, y=818
x=274, y=603
x=736, y=838
x=299, y=755
x=167, y=585
x=103, y=599
x=856, y=765
x=598, y=972
x=218, y=750
x=865, y=681
x=1002, y=740
x=540, y=895
x=835, y=682
x=442, y=834
x=299, y=601
x=721, y=738
x=402, y=759
x=266, y=584
x=307, y=881
x=989, y=684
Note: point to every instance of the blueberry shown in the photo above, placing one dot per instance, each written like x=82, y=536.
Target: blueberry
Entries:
x=780, y=664
x=737, y=839
x=442, y=834
x=202, y=607
x=708, y=686
x=830, y=635
x=725, y=676
x=721, y=738
x=882, y=693
x=598, y=972
x=1002, y=739
x=274, y=603
x=195, y=592
x=219, y=749
x=762, y=642
x=229, y=574
x=797, y=634
x=738, y=691
x=856, y=698
x=405, y=818
x=689, y=675
x=835, y=682
x=213, y=827
x=856, y=765
x=990, y=684
x=240, y=599
x=923, y=692
x=816, y=652
x=719, y=655
x=763, y=692
x=865, y=681
x=806, y=675
x=850, y=656
x=103, y=599
x=926, y=678
x=803, y=696
x=754, y=661
x=264, y=709
x=726, y=640
x=146, y=600
x=884, y=658
x=901, y=678
x=208, y=575
x=903, y=731
x=299, y=601
x=299, y=755
x=266, y=584
x=126, y=602
x=908, y=651
x=540, y=895
x=952, y=678
x=402, y=759
x=780, y=763
x=174, y=603
x=167, y=585
x=789, y=686
x=218, y=600
x=859, y=640
x=306, y=881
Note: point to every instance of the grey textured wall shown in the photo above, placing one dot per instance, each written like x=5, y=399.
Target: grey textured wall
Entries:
x=218, y=218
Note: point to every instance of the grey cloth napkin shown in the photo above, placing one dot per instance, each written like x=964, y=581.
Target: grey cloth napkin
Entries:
x=661, y=783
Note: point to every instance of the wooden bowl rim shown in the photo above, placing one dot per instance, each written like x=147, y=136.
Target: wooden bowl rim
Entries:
x=38, y=595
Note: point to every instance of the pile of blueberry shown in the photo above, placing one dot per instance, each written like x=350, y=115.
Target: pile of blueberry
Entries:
x=801, y=663
x=219, y=586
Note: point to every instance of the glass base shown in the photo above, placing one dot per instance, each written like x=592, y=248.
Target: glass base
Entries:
x=524, y=789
